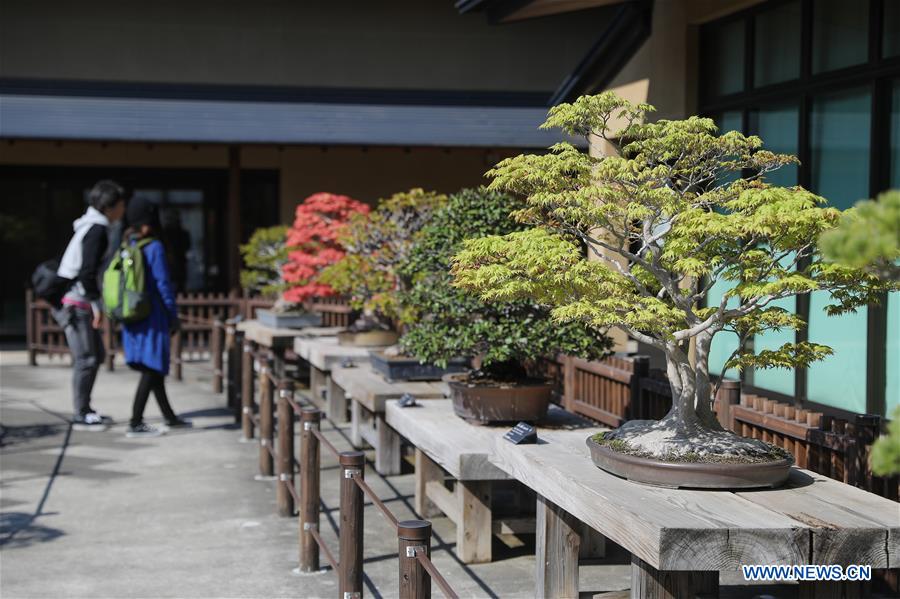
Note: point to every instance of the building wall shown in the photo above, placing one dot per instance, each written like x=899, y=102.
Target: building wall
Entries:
x=364, y=173
x=404, y=44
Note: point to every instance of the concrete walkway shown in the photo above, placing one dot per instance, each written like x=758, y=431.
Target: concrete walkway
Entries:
x=100, y=515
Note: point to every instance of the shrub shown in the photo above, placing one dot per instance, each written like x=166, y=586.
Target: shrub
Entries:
x=265, y=255
x=312, y=243
x=448, y=322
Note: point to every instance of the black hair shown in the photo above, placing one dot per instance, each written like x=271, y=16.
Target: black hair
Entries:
x=106, y=194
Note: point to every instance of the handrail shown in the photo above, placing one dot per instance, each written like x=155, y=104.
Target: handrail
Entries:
x=436, y=576
x=367, y=490
x=318, y=435
x=314, y=533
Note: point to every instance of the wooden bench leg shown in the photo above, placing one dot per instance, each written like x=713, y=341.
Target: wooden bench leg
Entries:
x=426, y=471
x=336, y=402
x=316, y=383
x=593, y=544
x=557, y=540
x=649, y=583
x=387, y=452
x=473, y=531
x=356, y=424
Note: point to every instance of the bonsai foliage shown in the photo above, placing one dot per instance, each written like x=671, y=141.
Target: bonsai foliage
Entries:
x=675, y=210
x=447, y=322
x=265, y=255
x=886, y=450
x=312, y=243
x=868, y=237
x=376, y=243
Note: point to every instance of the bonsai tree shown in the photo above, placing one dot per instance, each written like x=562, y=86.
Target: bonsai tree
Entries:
x=446, y=322
x=376, y=242
x=265, y=255
x=676, y=209
x=312, y=243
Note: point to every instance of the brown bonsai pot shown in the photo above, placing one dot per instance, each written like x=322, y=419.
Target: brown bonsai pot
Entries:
x=696, y=475
x=373, y=338
x=496, y=403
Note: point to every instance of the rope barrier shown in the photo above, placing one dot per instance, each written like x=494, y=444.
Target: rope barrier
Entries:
x=368, y=492
x=325, y=442
x=436, y=576
x=314, y=533
x=271, y=451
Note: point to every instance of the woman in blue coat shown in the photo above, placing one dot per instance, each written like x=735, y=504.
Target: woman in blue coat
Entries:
x=146, y=342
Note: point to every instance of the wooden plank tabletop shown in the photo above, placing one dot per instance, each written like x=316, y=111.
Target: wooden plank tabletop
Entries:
x=324, y=352
x=363, y=384
x=275, y=338
x=812, y=520
x=461, y=448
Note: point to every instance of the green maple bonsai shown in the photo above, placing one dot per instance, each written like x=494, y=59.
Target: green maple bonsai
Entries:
x=674, y=210
x=446, y=322
x=265, y=254
x=376, y=243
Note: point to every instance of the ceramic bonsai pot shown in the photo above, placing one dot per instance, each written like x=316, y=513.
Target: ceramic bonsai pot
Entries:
x=373, y=338
x=696, y=475
x=526, y=402
x=289, y=320
x=403, y=368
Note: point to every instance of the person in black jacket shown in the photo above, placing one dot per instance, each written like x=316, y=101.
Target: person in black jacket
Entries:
x=81, y=311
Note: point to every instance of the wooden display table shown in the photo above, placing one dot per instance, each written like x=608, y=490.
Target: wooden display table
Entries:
x=323, y=353
x=445, y=442
x=368, y=392
x=680, y=539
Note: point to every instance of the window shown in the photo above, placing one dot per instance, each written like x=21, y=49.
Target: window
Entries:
x=777, y=44
x=778, y=126
x=815, y=80
x=839, y=141
x=840, y=34
x=723, y=53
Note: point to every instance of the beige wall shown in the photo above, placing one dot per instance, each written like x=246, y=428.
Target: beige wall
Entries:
x=364, y=173
x=402, y=44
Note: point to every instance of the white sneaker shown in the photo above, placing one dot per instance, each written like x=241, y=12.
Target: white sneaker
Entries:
x=90, y=422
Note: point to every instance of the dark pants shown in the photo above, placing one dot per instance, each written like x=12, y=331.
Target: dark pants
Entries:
x=86, y=345
x=151, y=380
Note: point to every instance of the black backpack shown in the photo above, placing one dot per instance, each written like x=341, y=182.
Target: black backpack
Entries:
x=48, y=285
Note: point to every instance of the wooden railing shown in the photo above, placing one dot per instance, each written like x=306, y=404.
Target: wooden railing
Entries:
x=621, y=388
x=198, y=311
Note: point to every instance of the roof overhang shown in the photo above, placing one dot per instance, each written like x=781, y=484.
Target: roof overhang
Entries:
x=199, y=121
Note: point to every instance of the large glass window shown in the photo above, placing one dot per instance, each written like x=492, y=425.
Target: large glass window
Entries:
x=839, y=140
x=778, y=126
x=723, y=55
x=840, y=34
x=777, y=44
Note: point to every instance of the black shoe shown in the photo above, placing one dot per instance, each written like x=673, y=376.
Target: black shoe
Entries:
x=144, y=430
x=89, y=422
x=178, y=423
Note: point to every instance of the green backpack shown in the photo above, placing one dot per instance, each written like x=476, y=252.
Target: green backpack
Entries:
x=125, y=296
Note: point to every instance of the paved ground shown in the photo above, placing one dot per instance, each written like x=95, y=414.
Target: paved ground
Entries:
x=99, y=515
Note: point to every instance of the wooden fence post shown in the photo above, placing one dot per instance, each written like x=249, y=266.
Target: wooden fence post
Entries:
x=266, y=432
x=236, y=344
x=215, y=348
x=414, y=536
x=729, y=394
x=284, y=497
x=30, y=341
x=247, y=390
x=351, y=533
x=175, y=357
x=309, y=489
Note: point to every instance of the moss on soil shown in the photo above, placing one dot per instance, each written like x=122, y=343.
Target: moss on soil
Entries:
x=621, y=446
